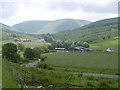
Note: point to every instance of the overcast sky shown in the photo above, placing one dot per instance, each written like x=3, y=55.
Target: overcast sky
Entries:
x=16, y=11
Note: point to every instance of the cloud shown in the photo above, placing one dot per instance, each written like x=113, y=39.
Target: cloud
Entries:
x=68, y=6
x=8, y=9
x=15, y=11
x=108, y=8
x=86, y=7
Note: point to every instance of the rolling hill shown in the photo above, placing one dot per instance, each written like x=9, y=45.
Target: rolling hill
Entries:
x=6, y=27
x=62, y=25
x=30, y=26
x=93, y=32
x=8, y=33
x=102, y=46
x=40, y=27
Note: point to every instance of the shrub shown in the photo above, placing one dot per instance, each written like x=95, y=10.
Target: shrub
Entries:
x=89, y=84
x=44, y=66
x=104, y=83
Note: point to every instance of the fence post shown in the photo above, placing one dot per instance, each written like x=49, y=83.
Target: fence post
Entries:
x=24, y=72
x=32, y=79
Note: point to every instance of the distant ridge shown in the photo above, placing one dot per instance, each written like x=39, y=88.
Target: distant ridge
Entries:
x=40, y=27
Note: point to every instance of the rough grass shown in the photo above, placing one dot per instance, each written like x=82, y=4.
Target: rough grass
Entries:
x=56, y=78
x=88, y=61
x=0, y=71
x=7, y=80
x=106, y=44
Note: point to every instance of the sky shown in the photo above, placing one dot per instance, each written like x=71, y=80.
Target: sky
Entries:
x=16, y=11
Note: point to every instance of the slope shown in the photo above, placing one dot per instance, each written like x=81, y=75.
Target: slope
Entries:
x=93, y=32
x=62, y=25
x=40, y=27
x=8, y=33
x=30, y=26
x=102, y=46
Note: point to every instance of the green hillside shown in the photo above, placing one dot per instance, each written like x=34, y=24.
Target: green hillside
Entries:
x=9, y=34
x=93, y=32
x=30, y=26
x=62, y=25
x=7, y=80
x=40, y=27
x=102, y=46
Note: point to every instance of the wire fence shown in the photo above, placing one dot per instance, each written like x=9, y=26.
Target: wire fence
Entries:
x=22, y=77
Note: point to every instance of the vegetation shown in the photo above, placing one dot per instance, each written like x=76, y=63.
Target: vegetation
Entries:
x=7, y=80
x=21, y=47
x=57, y=69
x=62, y=79
x=9, y=51
x=32, y=26
x=40, y=27
x=84, y=62
x=91, y=33
x=68, y=45
x=102, y=46
x=29, y=54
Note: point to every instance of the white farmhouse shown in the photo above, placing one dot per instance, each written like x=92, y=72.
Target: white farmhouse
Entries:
x=110, y=50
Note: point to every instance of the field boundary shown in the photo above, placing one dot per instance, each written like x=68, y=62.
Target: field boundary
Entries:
x=21, y=76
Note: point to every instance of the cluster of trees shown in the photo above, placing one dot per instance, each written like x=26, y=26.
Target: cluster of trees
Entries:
x=48, y=37
x=67, y=44
x=30, y=53
x=11, y=51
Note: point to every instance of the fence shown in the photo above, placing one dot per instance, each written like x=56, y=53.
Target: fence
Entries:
x=22, y=77
x=27, y=79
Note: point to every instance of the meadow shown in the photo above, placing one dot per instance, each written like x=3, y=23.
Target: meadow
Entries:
x=34, y=77
x=7, y=80
x=102, y=46
x=85, y=62
x=0, y=72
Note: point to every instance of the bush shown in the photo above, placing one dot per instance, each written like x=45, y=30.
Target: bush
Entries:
x=89, y=84
x=9, y=51
x=29, y=54
x=43, y=58
x=43, y=66
x=104, y=83
x=50, y=68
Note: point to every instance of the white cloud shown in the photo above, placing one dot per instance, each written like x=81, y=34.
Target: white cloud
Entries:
x=24, y=10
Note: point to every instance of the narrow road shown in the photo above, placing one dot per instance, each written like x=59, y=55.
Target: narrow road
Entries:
x=97, y=75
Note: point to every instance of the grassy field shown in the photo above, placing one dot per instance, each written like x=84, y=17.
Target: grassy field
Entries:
x=7, y=80
x=0, y=71
x=56, y=78
x=102, y=46
x=28, y=44
x=85, y=62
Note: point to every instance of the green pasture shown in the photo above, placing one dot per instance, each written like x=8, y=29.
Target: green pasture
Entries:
x=34, y=44
x=63, y=79
x=7, y=80
x=0, y=71
x=86, y=61
x=28, y=44
x=102, y=46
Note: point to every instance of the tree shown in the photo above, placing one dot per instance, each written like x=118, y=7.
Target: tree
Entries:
x=29, y=54
x=21, y=47
x=48, y=37
x=9, y=51
x=86, y=45
x=67, y=45
x=37, y=51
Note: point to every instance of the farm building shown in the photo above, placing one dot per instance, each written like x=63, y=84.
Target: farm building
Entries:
x=60, y=49
x=22, y=40
x=41, y=41
x=82, y=49
x=110, y=50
